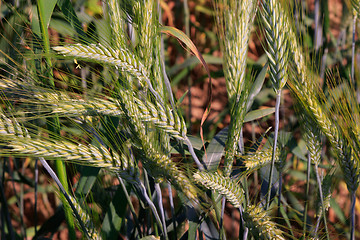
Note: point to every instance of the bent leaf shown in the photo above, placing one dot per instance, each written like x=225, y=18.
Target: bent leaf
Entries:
x=251, y=116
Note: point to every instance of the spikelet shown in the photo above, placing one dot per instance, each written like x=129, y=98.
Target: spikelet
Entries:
x=156, y=163
x=313, y=110
x=312, y=137
x=342, y=147
x=64, y=105
x=351, y=168
x=235, y=20
x=117, y=23
x=275, y=23
x=161, y=166
x=11, y=128
x=259, y=159
x=146, y=21
x=59, y=102
x=260, y=224
x=85, y=218
x=224, y=185
x=298, y=60
x=18, y=141
x=121, y=58
x=163, y=117
x=77, y=153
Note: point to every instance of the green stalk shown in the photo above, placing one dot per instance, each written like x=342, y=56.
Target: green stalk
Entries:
x=221, y=225
x=65, y=195
x=322, y=200
x=244, y=180
x=148, y=190
x=274, y=22
x=279, y=191
x=161, y=209
x=55, y=124
x=35, y=195
x=142, y=189
x=45, y=40
x=277, y=108
x=172, y=207
x=352, y=215
x=243, y=230
x=131, y=206
x=307, y=195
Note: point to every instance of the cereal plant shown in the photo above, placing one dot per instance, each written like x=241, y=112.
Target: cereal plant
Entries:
x=92, y=123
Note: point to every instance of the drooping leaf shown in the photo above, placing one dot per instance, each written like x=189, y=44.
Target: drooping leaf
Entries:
x=181, y=36
x=251, y=116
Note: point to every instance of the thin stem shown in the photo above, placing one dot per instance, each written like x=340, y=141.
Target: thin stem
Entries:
x=171, y=200
x=242, y=151
x=353, y=81
x=322, y=200
x=150, y=203
x=317, y=226
x=243, y=230
x=192, y=152
x=60, y=166
x=277, y=108
x=215, y=197
x=223, y=202
x=352, y=216
x=253, y=136
x=131, y=206
x=279, y=191
x=35, y=193
x=65, y=194
x=307, y=195
x=161, y=208
x=146, y=180
x=241, y=142
x=45, y=40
